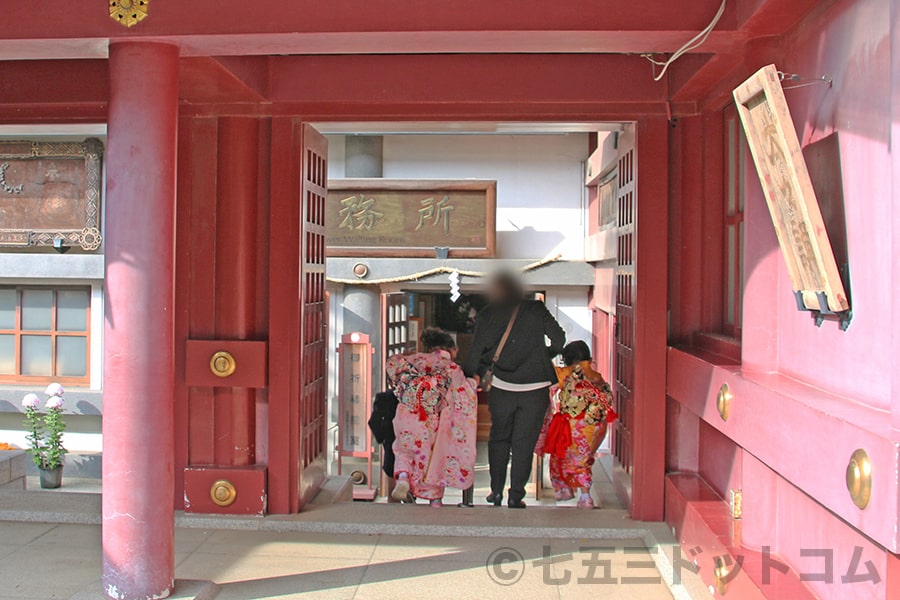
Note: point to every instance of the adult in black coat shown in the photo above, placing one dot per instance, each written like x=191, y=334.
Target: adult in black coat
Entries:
x=522, y=376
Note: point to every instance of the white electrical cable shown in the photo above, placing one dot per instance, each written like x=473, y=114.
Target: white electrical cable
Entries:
x=692, y=44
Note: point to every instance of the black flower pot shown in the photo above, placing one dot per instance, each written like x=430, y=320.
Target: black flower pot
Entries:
x=51, y=479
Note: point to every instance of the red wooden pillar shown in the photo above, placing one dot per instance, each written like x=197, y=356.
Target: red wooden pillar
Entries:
x=138, y=381
x=650, y=316
x=235, y=261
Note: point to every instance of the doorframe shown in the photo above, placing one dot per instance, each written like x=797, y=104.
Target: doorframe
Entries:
x=644, y=493
x=651, y=319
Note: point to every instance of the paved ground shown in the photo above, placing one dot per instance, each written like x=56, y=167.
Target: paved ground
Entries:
x=58, y=561
x=358, y=550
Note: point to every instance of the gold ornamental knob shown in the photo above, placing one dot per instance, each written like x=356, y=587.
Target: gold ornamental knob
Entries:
x=223, y=493
x=720, y=574
x=859, y=478
x=222, y=364
x=723, y=402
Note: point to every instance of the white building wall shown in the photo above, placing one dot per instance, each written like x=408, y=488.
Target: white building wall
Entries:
x=570, y=307
x=540, y=182
x=47, y=268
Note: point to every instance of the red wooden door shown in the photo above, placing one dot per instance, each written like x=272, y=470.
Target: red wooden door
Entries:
x=297, y=315
x=622, y=442
x=313, y=310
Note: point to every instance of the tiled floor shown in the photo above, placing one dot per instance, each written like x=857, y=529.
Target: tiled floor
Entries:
x=602, y=491
x=57, y=561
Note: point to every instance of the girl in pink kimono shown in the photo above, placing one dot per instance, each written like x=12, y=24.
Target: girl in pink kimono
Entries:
x=435, y=423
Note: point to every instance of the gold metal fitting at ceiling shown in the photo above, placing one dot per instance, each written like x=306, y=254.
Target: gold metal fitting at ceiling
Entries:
x=720, y=573
x=222, y=364
x=859, y=478
x=128, y=12
x=223, y=493
x=736, y=503
x=723, y=402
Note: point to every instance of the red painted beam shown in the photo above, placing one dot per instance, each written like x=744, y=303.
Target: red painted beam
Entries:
x=694, y=77
x=503, y=78
x=691, y=78
x=25, y=20
x=373, y=87
x=271, y=27
x=77, y=82
x=78, y=90
x=774, y=17
x=436, y=111
x=390, y=42
x=436, y=86
x=251, y=71
x=406, y=87
x=205, y=80
x=53, y=113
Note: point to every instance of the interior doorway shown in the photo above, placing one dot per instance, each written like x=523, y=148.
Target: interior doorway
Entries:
x=549, y=216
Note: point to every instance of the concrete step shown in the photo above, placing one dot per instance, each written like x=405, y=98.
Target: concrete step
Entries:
x=335, y=489
x=13, y=464
x=354, y=517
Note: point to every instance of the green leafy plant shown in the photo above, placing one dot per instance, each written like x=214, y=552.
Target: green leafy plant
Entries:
x=45, y=430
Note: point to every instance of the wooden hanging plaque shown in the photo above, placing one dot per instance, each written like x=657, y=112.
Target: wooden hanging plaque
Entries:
x=789, y=192
x=405, y=218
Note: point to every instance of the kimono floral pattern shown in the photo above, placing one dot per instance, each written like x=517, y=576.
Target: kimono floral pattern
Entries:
x=580, y=394
x=575, y=426
x=435, y=423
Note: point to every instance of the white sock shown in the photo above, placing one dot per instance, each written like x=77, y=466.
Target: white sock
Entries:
x=585, y=496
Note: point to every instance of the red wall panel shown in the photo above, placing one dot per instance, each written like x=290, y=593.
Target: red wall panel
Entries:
x=217, y=292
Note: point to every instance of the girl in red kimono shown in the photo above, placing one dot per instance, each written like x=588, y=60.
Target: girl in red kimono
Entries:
x=435, y=423
x=576, y=425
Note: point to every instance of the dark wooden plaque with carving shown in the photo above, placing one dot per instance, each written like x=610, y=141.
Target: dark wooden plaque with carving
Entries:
x=50, y=193
x=789, y=193
x=396, y=217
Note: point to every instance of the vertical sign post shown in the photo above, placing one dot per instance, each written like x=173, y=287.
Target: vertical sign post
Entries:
x=355, y=394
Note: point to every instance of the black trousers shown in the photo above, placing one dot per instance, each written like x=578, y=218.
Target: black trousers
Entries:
x=516, y=421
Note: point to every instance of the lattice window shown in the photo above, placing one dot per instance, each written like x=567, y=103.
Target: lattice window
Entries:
x=626, y=203
x=45, y=334
x=313, y=383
